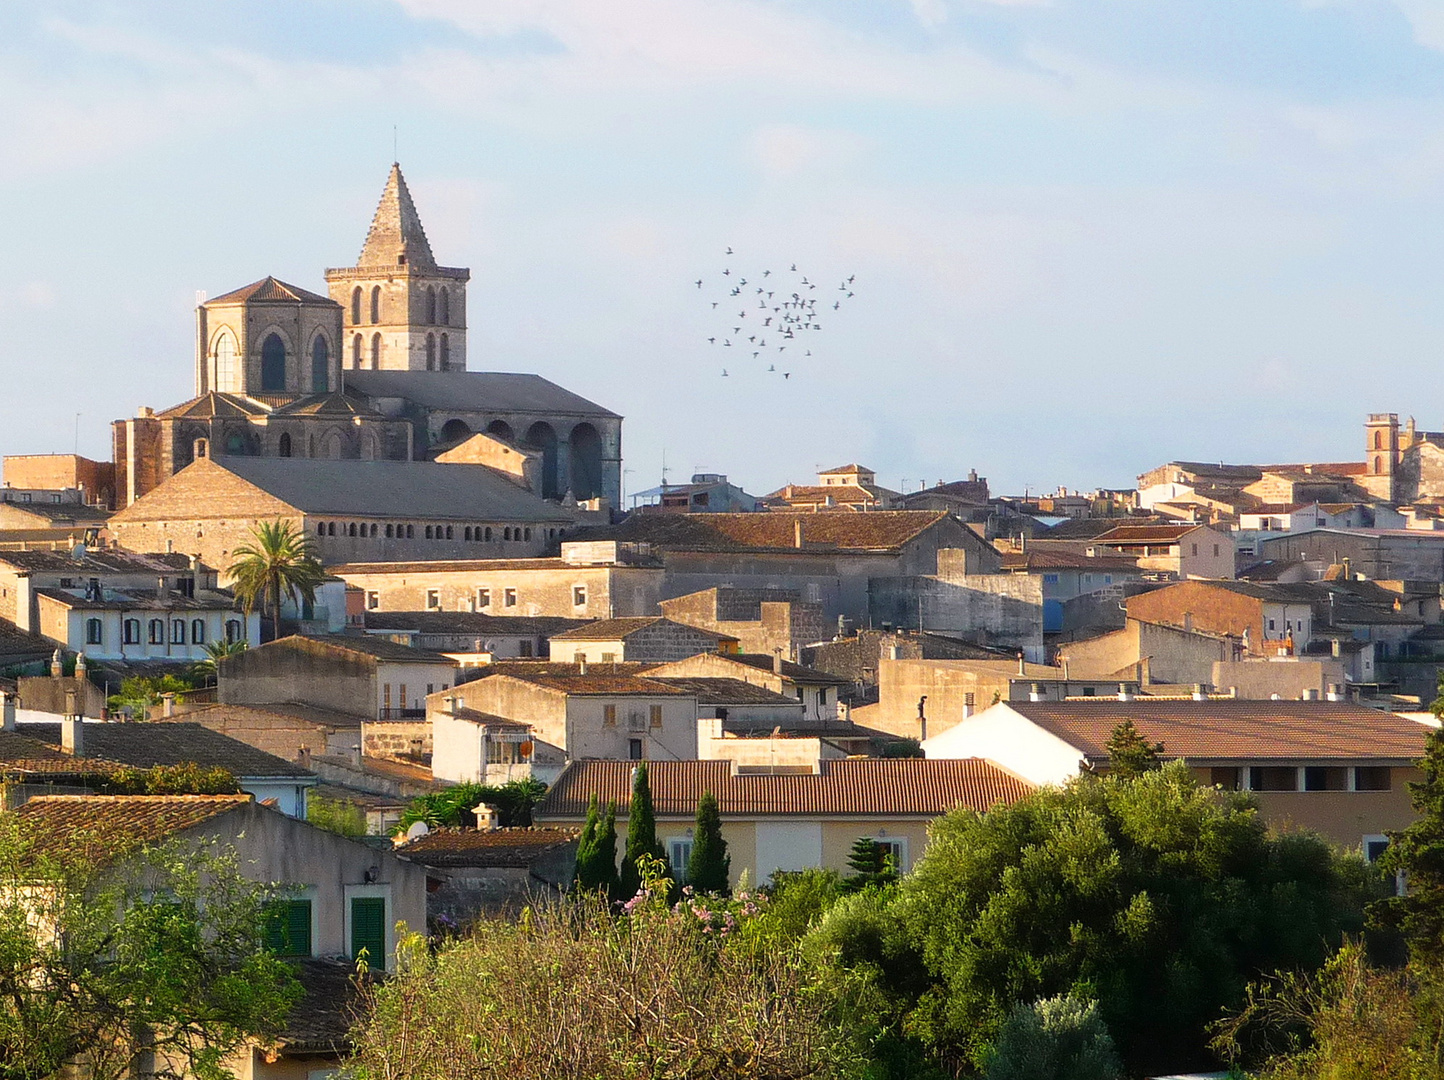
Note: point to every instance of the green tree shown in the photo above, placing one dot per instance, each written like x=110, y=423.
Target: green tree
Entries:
x=607, y=852
x=641, y=832
x=452, y=807
x=279, y=561
x=587, y=877
x=1061, y=1038
x=139, y=694
x=1418, y=852
x=709, y=867
x=1157, y=897
x=870, y=863
x=208, y=667
x=1130, y=755
x=153, y=951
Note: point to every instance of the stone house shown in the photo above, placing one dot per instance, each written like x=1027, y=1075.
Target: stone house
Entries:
x=352, y=510
x=470, y=634
x=819, y=692
x=1068, y=573
x=845, y=488
x=1150, y=652
x=1250, y=612
x=1336, y=768
x=762, y=620
x=1179, y=551
x=91, y=482
x=356, y=674
x=492, y=872
x=648, y=640
x=785, y=819
x=1377, y=554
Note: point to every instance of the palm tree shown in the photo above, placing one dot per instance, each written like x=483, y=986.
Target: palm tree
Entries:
x=209, y=667
x=279, y=561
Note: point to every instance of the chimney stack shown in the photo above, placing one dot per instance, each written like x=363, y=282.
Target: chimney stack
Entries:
x=57, y=666
x=1336, y=692
x=777, y=661
x=1022, y=668
x=581, y=665
x=72, y=728
x=7, y=711
x=797, y=533
x=1311, y=693
x=1336, y=648
x=1188, y=622
x=1198, y=692
x=1123, y=693
x=167, y=706
x=1035, y=693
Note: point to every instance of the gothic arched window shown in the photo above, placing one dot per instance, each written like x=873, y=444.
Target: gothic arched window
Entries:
x=356, y=351
x=225, y=379
x=430, y=352
x=284, y=449
x=446, y=307
x=320, y=365
x=431, y=305
x=375, y=351
x=375, y=304
x=445, y=352
x=273, y=365
x=356, y=306
x=1378, y=440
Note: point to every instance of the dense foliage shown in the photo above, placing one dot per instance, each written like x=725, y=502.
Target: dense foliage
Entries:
x=1130, y=755
x=162, y=952
x=139, y=694
x=452, y=807
x=1156, y=897
x=597, y=851
x=710, y=867
x=641, y=833
x=1061, y=1038
x=187, y=778
x=207, y=669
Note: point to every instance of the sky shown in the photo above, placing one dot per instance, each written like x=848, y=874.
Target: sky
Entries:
x=1087, y=236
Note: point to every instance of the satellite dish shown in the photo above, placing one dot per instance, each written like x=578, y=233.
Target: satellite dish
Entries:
x=418, y=829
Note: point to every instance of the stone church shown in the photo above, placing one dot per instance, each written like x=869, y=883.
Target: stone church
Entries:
x=1402, y=464
x=376, y=370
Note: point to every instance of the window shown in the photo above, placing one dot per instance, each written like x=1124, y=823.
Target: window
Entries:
x=1271, y=624
x=579, y=596
x=1372, y=778
x=375, y=351
x=320, y=365
x=373, y=600
x=1215, y=551
x=483, y=598
x=273, y=365
x=390, y=529
x=609, y=715
x=1050, y=579
x=524, y=648
x=1374, y=846
x=356, y=351
x=1273, y=778
x=368, y=929
x=356, y=305
x=93, y=631
x=508, y=598
x=410, y=532
x=656, y=716
x=351, y=529
x=386, y=697
x=225, y=363
x=428, y=532
x=198, y=631
x=430, y=352
x=528, y=533
x=1194, y=550
x=1224, y=776
x=822, y=696
x=375, y=304
x=283, y=446
x=1090, y=691
x=178, y=632
x=893, y=852
x=506, y=533
x=130, y=632
x=679, y=854
x=448, y=532
x=431, y=305
x=288, y=928
x=446, y=307
x=433, y=599
x=1326, y=778
x=609, y=658
x=445, y=352
x=634, y=749
x=401, y=695
x=488, y=532
x=234, y=631
x=466, y=533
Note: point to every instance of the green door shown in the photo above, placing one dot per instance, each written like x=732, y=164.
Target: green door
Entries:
x=368, y=929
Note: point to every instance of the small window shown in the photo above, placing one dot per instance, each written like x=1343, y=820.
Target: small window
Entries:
x=1374, y=847
x=579, y=596
x=410, y=532
x=609, y=715
x=130, y=632
x=822, y=696
x=234, y=631
x=1224, y=776
x=433, y=599
x=1195, y=549
x=634, y=749
x=178, y=632
x=428, y=532
x=1271, y=625
x=93, y=631
x=679, y=854
x=1050, y=579
x=330, y=528
x=375, y=303
x=506, y=533
x=373, y=600
x=1090, y=691
x=1372, y=778
x=894, y=854
x=1215, y=551
x=466, y=533
x=488, y=532
x=320, y=528
x=448, y=532
x=609, y=658
x=198, y=631
x=656, y=716
x=1273, y=778
x=483, y=598
x=527, y=533
x=509, y=598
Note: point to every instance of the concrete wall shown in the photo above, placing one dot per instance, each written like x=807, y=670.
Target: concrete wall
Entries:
x=395, y=738
x=278, y=734
x=1260, y=680
x=1003, y=610
x=762, y=621
x=1174, y=655
x=522, y=467
x=1376, y=555
x=310, y=674
x=713, y=743
x=660, y=643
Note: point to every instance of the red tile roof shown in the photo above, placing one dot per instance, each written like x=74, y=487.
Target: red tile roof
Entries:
x=106, y=826
x=485, y=847
x=1146, y=534
x=271, y=289
x=1224, y=730
x=597, y=684
x=874, y=530
x=881, y=787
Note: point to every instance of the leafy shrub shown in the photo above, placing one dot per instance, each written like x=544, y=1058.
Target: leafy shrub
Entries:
x=1061, y=1038
x=187, y=778
x=336, y=815
x=453, y=806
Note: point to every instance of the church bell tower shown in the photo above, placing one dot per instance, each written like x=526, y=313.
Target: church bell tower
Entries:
x=401, y=311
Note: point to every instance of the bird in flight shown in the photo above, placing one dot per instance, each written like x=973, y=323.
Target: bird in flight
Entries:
x=787, y=374
x=729, y=251
x=699, y=283
x=711, y=341
x=724, y=373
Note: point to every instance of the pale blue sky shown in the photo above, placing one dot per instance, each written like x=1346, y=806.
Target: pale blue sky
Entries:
x=1088, y=235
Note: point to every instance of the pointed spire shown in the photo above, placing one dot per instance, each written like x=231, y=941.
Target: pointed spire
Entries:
x=396, y=237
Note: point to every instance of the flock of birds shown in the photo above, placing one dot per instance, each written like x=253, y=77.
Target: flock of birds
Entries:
x=772, y=314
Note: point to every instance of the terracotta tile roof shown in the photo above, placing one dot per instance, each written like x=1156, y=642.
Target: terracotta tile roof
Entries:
x=470, y=622
x=127, y=599
x=107, y=561
x=106, y=826
x=321, y=1021
x=1145, y=534
x=854, y=786
x=551, y=667
x=485, y=392
x=213, y=404
x=796, y=673
x=820, y=493
x=143, y=746
x=22, y=755
x=618, y=629
x=1068, y=560
x=850, y=468
x=595, y=683
x=875, y=530
x=711, y=691
x=485, y=847
x=268, y=715
x=270, y=289
x=379, y=648
x=344, y=405
x=1226, y=730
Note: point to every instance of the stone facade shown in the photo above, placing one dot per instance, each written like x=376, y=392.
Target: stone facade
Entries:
x=1149, y=652
x=762, y=620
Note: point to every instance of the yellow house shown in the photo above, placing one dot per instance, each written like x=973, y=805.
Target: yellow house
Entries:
x=789, y=817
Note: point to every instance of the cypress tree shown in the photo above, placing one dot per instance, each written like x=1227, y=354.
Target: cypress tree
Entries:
x=709, y=866
x=641, y=832
x=1130, y=755
x=585, y=874
x=606, y=844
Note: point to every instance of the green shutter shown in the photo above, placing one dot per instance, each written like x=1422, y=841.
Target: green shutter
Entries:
x=288, y=928
x=368, y=929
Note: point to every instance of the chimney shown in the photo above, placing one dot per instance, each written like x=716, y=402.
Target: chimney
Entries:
x=892, y=652
x=303, y=757
x=1123, y=694
x=922, y=719
x=1336, y=692
x=57, y=666
x=1198, y=692
x=450, y=702
x=1188, y=622
x=797, y=533
x=1336, y=647
x=777, y=661
x=1145, y=671
x=1036, y=694
x=72, y=729
x=80, y=667
x=7, y=711
x=581, y=665
x=167, y=706
x=1310, y=693
x=486, y=817
x=1065, y=669
x=1022, y=669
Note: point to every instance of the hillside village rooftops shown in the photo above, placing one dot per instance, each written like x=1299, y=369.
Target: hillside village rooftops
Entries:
x=881, y=787
x=599, y=684
x=722, y=691
x=476, y=391
x=796, y=673
x=1033, y=559
x=1147, y=534
x=1243, y=730
x=65, y=512
x=774, y=531
x=622, y=628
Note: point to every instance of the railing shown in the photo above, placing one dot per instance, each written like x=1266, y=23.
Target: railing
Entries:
x=400, y=714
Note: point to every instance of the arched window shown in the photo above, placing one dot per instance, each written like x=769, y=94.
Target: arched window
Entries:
x=283, y=449
x=178, y=632
x=1378, y=464
x=353, y=529
x=235, y=443
x=331, y=529
x=389, y=532
x=428, y=532
x=1378, y=440
x=448, y=532
x=375, y=304
x=410, y=532
x=445, y=352
x=375, y=352
x=273, y=365
x=528, y=534
x=431, y=305
x=320, y=528
x=356, y=306
x=466, y=533
x=374, y=529
x=130, y=632
x=320, y=365
x=234, y=631
x=157, y=631
x=488, y=533
x=198, y=631
x=94, y=631
x=225, y=378
x=356, y=351
x=430, y=352
x=446, y=307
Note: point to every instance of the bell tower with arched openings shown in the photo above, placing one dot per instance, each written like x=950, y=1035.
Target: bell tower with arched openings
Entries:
x=1382, y=453
x=402, y=312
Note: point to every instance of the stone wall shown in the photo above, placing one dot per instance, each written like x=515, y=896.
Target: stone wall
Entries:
x=396, y=738
x=1001, y=610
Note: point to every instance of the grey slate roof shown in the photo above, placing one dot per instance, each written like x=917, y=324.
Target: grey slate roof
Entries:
x=370, y=645
x=110, y=561
x=143, y=745
x=475, y=391
x=470, y=622
x=379, y=489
